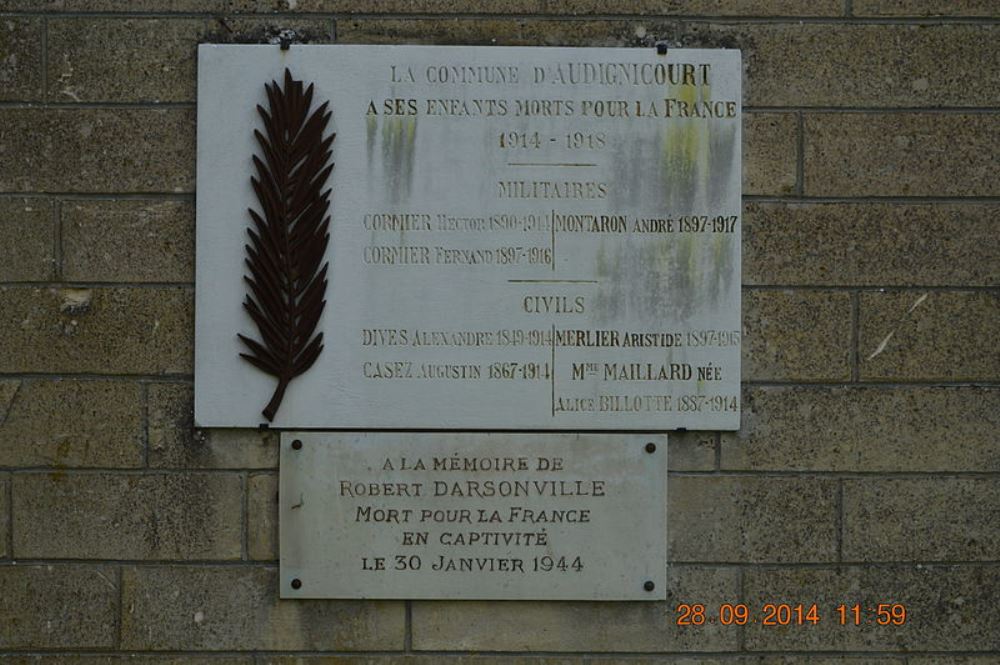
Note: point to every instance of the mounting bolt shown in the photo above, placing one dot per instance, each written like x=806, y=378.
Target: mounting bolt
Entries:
x=650, y=447
x=648, y=586
x=661, y=48
x=297, y=583
x=297, y=444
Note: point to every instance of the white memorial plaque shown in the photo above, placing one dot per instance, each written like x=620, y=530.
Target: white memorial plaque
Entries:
x=521, y=238
x=473, y=516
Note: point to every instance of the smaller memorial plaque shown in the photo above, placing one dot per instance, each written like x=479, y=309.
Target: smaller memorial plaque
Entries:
x=473, y=516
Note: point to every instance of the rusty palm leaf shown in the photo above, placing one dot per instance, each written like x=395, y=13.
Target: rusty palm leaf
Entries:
x=286, y=285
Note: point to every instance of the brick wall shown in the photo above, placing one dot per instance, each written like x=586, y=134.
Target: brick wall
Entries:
x=868, y=463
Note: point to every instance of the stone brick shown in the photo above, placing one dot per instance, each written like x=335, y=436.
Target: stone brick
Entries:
x=925, y=8
x=580, y=7
x=822, y=660
x=125, y=659
x=4, y=517
x=921, y=519
x=100, y=330
x=948, y=607
x=461, y=659
x=691, y=451
x=901, y=154
x=791, y=8
x=866, y=429
x=127, y=516
x=123, y=59
x=58, y=607
x=500, y=32
x=174, y=442
x=769, y=153
x=583, y=7
x=68, y=424
x=245, y=29
x=802, y=335
x=8, y=391
x=751, y=519
x=874, y=244
x=699, y=7
x=97, y=150
x=150, y=59
x=285, y=6
x=872, y=65
x=199, y=608
x=425, y=6
x=929, y=336
x=578, y=626
x=940, y=659
x=564, y=7
x=21, y=76
x=27, y=234
x=262, y=517
x=128, y=241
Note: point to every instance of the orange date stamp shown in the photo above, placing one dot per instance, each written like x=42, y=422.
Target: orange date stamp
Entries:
x=790, y=614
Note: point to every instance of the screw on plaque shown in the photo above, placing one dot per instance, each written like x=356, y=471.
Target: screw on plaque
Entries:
x=649, y=586
x=650, y=447
x=297, y=444
x=296, y=583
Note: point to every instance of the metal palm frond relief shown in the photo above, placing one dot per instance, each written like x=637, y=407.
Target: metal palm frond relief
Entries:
x=286, y=285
